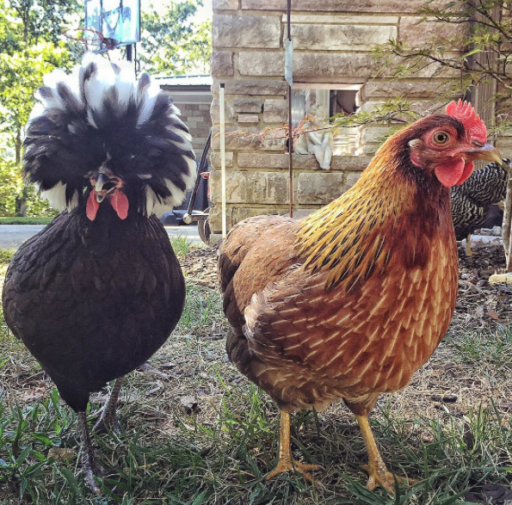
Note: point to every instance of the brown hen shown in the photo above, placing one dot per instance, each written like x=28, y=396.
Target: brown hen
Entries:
x=351, y=301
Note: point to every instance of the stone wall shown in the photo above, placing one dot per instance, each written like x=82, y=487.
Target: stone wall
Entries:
x=333, y=41
x=197, y=117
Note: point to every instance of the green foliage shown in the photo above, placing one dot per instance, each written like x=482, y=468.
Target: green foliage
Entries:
x=473, y=42
x=172, y=43
x=28, y=52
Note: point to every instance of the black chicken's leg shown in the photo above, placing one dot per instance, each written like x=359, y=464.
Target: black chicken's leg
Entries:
x=108, y=418
x=88, y=463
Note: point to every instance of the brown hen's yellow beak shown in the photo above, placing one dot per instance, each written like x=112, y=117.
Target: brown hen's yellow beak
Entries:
x=486, y=152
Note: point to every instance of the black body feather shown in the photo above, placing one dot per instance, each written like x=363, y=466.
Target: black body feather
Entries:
x=94, y=300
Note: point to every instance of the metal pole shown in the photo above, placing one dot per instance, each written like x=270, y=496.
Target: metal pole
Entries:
x=223, y=160
x=290, y=136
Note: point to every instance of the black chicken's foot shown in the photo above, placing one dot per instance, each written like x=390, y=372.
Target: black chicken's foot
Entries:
x=108, y=417
x=89, y=468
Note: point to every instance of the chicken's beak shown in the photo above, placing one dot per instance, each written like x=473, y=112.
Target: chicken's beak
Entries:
x=486, y=152
x=101, y=192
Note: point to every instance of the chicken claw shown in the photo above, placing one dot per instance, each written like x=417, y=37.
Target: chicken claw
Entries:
x=287, y=465
x=286, y=462
x=377, y=478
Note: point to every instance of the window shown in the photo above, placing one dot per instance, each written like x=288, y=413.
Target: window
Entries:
x=323, y=101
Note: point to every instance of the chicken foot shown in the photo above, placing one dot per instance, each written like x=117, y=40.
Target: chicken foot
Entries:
x=376, y=468
x=89, y=468
x=108, y=418
x=286, y=462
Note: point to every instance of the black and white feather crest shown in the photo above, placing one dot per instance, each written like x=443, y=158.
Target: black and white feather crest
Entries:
x=100, y=113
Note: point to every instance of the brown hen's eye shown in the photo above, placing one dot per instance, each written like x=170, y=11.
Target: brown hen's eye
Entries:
x=441, y=138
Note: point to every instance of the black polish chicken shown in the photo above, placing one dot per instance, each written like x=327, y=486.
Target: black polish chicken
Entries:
x=100, y=289
x=473, y=200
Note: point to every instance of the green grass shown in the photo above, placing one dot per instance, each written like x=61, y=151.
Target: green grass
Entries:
x=181, y=245
x=219, y=452
x=25, y=220
x=6, y=255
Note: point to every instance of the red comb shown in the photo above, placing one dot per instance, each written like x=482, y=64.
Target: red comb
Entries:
x=464, y=112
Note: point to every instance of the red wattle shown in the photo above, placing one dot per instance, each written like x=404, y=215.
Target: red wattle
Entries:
x=468, y=170
x=451, y=172
x=120, y=203
x=92, y=206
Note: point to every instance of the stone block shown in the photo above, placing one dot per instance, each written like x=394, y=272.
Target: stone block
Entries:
x=251, y=187
x=235, y=214
x=246, y=31
x=350, y=179
x=369, y=6
x=414, y=88
x=252, y=87
x=314, y=188
x=416, y=33
x=248, y=105
x=248, y=118
x=231, y=5
x=275, y=111
x=374, y=134
x=331, y=37
x=359, y=66
x=215, y=159
x=229, y=113
x=341, y=19
x=248, y=138
x=300, y=162
x=368, y=149
x=222, y=64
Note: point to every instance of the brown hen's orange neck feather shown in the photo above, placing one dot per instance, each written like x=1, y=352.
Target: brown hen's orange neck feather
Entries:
x=393, y=211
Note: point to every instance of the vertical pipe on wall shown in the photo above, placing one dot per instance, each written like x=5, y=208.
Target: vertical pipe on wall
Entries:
x=289, y=78
x=223, y=160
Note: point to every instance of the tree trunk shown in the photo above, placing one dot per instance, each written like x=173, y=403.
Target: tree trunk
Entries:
x=21, y=200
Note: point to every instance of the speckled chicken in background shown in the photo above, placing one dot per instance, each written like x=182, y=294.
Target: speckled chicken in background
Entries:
x=350, y=302
x=100, y=289
x=471, y=202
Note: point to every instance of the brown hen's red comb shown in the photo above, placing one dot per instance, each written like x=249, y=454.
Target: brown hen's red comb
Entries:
x=464, y=112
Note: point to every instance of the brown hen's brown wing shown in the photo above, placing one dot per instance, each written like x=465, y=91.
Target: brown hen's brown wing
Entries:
x=233, y=251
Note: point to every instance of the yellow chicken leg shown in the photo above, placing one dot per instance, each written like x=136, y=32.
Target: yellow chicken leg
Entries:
x=286, y=462
x=376, y=468
x=469, y=251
